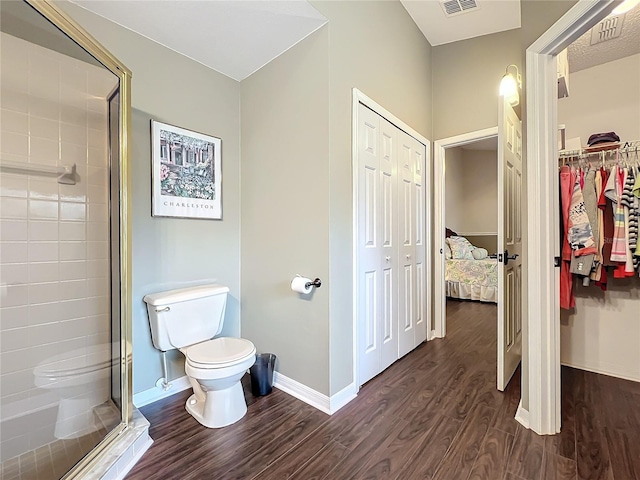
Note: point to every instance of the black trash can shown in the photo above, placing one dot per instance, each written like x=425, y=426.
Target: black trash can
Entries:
x=262, y=374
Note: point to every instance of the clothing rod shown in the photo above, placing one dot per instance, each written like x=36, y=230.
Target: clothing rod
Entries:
x=624, y=148
x=66, y=174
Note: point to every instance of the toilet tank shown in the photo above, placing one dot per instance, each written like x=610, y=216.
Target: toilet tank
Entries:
x=186, y=316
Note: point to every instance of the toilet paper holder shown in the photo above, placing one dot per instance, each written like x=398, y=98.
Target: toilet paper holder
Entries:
x=316, y=283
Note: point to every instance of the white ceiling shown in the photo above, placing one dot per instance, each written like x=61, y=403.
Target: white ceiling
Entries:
x=235, y=38
x=491, y=16
x=583, y=55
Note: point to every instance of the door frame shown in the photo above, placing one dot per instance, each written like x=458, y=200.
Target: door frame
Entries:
x=439, y=199
x=542, y=412
x=360, y=98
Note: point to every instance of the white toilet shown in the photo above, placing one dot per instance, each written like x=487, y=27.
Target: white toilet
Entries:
x=82, y=380
x=188, y=319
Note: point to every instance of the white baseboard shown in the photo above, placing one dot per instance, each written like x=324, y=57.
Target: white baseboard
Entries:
x=522, y=416
x=340, y=399
x=296, y=389
x=603, y=369
x=125, y=469
x=311, y=397
x=156, y=393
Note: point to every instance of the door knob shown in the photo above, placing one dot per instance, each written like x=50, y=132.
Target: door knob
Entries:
x=387, y=258
x=408, y=256
x=508, y=257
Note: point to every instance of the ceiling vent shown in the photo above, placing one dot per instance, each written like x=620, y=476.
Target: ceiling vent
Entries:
x=457, y=7
x=607, y=29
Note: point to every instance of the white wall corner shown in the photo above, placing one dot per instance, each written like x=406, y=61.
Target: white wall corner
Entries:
x=522, y=416
x=341, y=398
x=311, y=397
x=158, y=393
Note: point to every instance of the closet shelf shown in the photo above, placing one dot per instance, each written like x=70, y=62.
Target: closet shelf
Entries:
x=622, y=147
x=66, y=174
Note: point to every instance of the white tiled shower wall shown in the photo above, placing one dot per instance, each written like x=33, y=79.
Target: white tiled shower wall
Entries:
x=54, y=238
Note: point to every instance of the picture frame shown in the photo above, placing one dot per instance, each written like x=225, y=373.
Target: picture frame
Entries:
x=186, y=173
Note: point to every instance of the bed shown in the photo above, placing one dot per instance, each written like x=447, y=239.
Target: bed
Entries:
x=470, y=274
x=472, y=279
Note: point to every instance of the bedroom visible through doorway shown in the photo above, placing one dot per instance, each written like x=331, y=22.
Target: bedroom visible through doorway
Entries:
x=477, y=198
x=465, y=214
x=471, y=227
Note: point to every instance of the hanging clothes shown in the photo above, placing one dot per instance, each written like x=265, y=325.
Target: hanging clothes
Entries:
x=631, y=222
x=567, y=180
x=618, y=248
x=600, y=220
x=580, y=232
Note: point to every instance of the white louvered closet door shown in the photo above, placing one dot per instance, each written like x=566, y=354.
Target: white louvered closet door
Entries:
x=390, y=277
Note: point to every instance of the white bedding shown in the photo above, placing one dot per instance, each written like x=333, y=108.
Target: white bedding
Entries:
x=472, y=279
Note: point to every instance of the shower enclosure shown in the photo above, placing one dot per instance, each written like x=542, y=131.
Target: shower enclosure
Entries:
x=65, y=350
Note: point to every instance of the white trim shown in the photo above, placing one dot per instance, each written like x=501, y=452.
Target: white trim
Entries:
x=312, y=397
x=604, y=369
x=439, y=152
x=360, y=98
x=154, y=394
x=340, y=399
x=542, y=314
x=522, y=415
x=478, y=234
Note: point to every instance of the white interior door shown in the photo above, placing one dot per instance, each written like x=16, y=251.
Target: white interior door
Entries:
x=389, y=242
x=376, y=276
x=411, y=324
x=509, y=242
x=419, y=154
x=391, y=303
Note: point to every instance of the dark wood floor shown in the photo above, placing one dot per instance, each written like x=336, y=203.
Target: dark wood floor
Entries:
x=435, y=414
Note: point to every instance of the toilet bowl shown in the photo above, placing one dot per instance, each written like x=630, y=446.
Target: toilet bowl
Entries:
x=189, y=319
x=214, y=369
x=81, y=379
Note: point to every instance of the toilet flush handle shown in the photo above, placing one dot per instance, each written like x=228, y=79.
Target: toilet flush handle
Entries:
x=165, y=309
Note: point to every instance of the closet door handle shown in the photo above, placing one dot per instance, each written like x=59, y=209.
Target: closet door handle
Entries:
x=387, y=258
x=408, y=256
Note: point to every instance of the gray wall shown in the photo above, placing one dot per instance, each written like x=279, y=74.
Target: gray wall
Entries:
x=285, y=209
x=471, y=183
x=296, y=147
x=466, y=78
x=171, y=253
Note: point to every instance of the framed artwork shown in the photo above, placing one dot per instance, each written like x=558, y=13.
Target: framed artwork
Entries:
x=186, y=173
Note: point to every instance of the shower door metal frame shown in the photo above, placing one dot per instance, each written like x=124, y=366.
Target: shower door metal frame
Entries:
x=74, y=31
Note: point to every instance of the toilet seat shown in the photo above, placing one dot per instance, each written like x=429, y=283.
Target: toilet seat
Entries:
x=74, y=363
x=219, y=353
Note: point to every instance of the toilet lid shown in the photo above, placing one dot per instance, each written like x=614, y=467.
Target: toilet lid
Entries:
x=219, y=351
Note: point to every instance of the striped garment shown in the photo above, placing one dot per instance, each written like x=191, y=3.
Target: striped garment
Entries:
x=636, y=186
x=631, y=205
x=628, y=202
x=619, y=247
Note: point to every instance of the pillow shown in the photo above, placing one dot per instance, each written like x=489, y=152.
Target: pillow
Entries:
x=447, y=250
x=460, y=248
x=479, y=253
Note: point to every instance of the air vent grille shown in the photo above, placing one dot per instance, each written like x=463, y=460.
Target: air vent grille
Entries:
x=608, y=29
x=456, y=7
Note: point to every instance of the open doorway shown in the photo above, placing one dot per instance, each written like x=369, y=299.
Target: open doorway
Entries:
x=466, y=235
x=478, y=189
